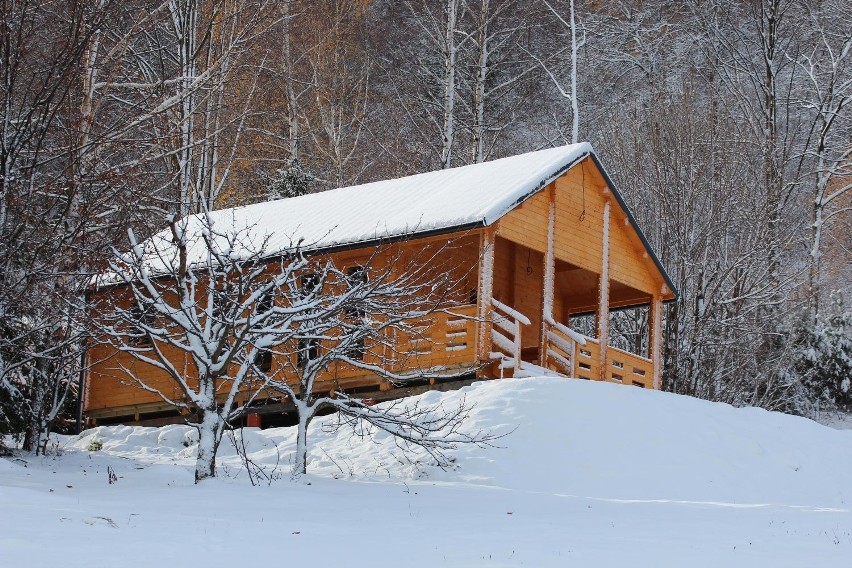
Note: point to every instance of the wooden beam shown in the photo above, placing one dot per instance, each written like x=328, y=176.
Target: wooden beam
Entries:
x=603, y=300
x=656, y=339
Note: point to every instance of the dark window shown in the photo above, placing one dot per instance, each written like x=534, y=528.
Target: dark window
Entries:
x=308, y=283
x=308, y=351
x=263, y=359
x=140, y=317
x=357, y=350
x=355, y=276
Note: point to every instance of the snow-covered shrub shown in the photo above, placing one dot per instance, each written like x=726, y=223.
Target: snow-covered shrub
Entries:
x=292, y=181
x=95, y=445
x=824, y=357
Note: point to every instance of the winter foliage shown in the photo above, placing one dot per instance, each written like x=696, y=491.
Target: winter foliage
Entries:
x=824, y=356
x=292, y=181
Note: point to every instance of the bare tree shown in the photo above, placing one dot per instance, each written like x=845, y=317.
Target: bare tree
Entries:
x=366, y=318
x=51, y=203
x=336, y=115
x=568, y=92
x=825, y=100
x=217, y=297
x=499, y=70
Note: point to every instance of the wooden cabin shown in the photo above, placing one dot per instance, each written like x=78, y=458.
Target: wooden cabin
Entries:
x=544, y=240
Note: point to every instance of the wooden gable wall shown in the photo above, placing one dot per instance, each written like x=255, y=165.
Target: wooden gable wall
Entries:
x=580, y=198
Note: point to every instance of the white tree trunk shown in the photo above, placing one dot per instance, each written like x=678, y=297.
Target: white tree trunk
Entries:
x=479, y=88
x=450, y=52
x=575, y=109
x=300, y=467
x=209, y=435
x=292, y=100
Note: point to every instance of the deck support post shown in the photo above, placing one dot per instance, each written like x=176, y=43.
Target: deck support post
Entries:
x=486, y=291
x=655, y=336
x=549, y=277
x=603, y=300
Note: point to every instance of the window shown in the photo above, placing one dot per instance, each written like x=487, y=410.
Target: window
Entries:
x=263, y=359
x=140, y=317
x=357, y=349
x=308, y=283
x=355, y=276
x=308, y=351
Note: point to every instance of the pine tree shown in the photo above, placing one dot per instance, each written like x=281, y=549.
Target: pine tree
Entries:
x=292, y=181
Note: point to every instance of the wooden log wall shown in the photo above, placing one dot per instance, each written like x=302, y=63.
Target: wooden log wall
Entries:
x=447, y=340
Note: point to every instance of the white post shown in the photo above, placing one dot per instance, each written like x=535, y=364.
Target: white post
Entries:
x=486, y=286
x=603, y=300
x=549, y=276
x=656, y=337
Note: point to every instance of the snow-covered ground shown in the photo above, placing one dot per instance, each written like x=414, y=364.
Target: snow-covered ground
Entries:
x=589, y=474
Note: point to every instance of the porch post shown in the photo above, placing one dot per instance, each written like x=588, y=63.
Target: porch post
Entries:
x=549, y=276
x=486, y=290
x=655, y=336
x=603, y=300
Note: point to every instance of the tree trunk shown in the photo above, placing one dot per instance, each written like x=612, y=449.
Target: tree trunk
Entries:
x=301, y=465
x=449, y=85
x=292, y=101
x=479, y=91
x=209, y=435
x=575, y=107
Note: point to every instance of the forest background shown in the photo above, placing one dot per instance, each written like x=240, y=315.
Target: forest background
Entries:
x=726, y=126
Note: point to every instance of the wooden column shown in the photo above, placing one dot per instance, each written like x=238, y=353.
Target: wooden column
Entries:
x=655, y=336
x=486, y=289
x=549, y=276
x=603, y=299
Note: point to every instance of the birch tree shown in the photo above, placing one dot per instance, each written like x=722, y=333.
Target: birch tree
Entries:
x=430, y=95
x=499, y=68
x=567, y=88
x=825, y=100
x=336, y=115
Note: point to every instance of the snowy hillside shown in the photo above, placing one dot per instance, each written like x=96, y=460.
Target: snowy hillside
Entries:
x=588, y=474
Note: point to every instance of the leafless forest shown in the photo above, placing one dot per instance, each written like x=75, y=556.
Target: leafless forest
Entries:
x=727, y=125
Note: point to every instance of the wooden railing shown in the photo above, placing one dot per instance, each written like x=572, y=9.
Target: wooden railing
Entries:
x=576, y=355
x=561, y=347
x=506, y=335
x=628, y=368
x=588, y=360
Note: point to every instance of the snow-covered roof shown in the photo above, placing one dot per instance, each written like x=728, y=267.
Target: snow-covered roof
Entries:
x=441, y=201
x=477, y=194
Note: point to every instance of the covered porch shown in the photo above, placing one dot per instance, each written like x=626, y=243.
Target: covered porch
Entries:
x=543, y=308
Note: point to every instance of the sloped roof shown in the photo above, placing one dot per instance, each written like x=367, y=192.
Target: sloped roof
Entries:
x=441, y=201
x=477, y=194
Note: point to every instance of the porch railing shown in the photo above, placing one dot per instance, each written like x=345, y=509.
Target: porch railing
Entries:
x=561, y=347
x=506, y=335
x=628, y=368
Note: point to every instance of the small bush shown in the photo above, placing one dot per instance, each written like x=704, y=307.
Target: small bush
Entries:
x=95, y=445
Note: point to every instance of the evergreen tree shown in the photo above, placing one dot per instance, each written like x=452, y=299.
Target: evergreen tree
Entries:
x=292, y=181
x=825, y=356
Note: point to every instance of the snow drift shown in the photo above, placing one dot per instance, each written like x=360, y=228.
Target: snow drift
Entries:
x=588, y=474
x=591, y=439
